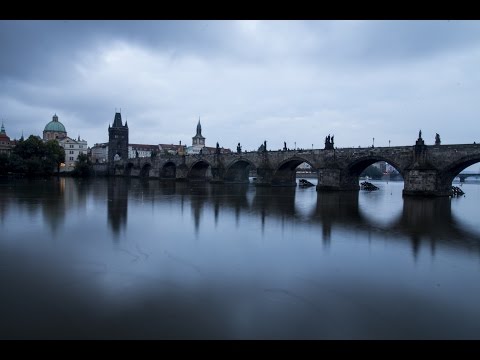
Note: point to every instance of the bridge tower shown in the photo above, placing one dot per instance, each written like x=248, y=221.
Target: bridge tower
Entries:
x=117, y=140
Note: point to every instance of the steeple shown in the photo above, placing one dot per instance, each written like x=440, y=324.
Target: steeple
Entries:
x=2, y=131
x=199, y=128
x=55, y=117
x=198, y=139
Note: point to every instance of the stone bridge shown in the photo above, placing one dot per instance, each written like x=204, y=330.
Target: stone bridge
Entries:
x=426, y=170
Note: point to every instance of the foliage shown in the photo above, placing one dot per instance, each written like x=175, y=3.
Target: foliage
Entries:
x=83, y=166
x=33, y=157
x=56, y=153
x=4, y=164
x=372, y=172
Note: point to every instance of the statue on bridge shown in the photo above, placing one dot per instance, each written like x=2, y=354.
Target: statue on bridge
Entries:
x=329, y=142
x=420, y=141
x=217, y=150
x=239, y=148
x=437, y=139
x=284, y=146
x=263, y=147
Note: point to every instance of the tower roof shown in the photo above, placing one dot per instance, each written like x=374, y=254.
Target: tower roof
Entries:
x=3, y=134
x=199, y=128
x=55, y=125
x=117, y=121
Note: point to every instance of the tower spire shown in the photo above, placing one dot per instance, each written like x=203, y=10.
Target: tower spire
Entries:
x=199, y=127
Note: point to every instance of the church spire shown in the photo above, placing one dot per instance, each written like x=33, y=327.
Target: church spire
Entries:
x=2, y=130
x=199, y=128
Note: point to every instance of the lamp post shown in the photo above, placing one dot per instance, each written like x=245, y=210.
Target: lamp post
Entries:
x=295, y=145
x=388, y=143
x=373, y=144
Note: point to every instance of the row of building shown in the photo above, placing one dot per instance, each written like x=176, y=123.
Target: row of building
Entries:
x=54, y=130
x=116, y=148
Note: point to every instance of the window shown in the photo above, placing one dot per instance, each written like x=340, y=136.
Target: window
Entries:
x=71, y=151
x=71, y=146
x=81, y=146
x=71, y=158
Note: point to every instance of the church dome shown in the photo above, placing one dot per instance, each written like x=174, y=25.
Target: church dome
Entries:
x=55, y=125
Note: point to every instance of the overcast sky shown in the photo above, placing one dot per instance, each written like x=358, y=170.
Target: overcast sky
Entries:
x=249, y=81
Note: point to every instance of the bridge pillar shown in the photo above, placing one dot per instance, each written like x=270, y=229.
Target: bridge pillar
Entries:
x=181, y=172
x=424, y=182
x=217, y=175
x=264, y=176
x=333, y=179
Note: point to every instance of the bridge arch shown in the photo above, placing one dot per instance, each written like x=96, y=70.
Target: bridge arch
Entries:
x=199, y=170
x=359, y=165
x=145, y=172
x=168, y=171
x=285, y=173
x=238, y=171
x=351, y=175
x=452, y=171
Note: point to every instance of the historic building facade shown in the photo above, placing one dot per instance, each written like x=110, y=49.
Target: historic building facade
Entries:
x=99, y=153
x=73, y=148
x=142, y=150
x=6, y=145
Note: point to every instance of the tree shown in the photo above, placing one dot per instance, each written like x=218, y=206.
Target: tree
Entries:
x=4, y=164
x=32, y=157
x=55, y=153
x=83, y=166
x=372, y=172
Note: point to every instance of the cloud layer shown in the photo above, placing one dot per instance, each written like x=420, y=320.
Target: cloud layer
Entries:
x=249, y=81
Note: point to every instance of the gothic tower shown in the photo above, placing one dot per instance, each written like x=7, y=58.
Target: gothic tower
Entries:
x=198, y=140
x=117, y=140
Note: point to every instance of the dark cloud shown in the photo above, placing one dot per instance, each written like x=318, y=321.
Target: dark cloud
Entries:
x=44, y=49
x=293, y=81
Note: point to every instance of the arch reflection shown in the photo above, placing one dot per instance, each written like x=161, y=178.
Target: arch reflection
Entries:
x=421, y=221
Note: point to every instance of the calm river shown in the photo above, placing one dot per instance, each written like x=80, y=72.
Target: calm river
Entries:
x=119, y=259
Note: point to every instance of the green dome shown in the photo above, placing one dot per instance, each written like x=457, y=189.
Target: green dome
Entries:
x=55, y=125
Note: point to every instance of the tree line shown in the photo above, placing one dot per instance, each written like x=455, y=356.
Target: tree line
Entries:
x=34, y=157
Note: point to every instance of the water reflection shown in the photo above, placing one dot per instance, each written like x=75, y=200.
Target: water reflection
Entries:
x=420, y=219
x=117, y=205
x=149, y=259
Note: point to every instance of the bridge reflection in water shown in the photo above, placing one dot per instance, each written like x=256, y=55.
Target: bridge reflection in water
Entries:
x=126, y=259
x=421, y=220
